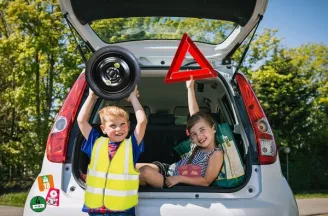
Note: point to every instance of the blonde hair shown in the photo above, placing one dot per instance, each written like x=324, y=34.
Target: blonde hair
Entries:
x=112, y=111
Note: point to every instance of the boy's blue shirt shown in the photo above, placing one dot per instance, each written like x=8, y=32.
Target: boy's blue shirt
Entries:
x=136, y=150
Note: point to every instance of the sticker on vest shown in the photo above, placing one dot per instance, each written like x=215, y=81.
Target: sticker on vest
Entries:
x=190, y=170
x=38, y=204
x=45, y=182
x=53, y=197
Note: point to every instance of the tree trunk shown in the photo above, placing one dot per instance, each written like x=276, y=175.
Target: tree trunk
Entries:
x=50, y=85
x=13, y=111
x=37, y=92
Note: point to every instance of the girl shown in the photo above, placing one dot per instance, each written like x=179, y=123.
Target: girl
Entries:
x=202, y=166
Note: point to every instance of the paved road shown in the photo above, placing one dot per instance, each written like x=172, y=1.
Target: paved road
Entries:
x=306, y=207
x=10, y=211
x=313, y=206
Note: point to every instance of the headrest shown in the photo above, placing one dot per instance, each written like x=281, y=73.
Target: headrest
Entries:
x=130, y=109
x=217, y=118
x=184, y=110
x=161, y=118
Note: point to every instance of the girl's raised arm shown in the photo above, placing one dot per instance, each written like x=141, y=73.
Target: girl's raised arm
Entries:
x=192, y=102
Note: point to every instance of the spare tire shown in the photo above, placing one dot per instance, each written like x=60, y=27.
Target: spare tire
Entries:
x=112, y=72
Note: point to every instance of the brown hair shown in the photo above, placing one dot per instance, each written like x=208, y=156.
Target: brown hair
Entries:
x=112, y=111
x=198, y=116
x=192, y=121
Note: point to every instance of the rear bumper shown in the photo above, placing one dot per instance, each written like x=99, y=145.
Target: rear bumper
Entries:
x=280, y=203
x=227, y=208
x=237, y=207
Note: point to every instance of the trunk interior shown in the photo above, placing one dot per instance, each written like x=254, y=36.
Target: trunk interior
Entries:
x=166, y=108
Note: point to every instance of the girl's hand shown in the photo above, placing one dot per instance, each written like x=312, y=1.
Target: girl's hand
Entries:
x=135, y=94
x=172, y=180
x=190, y=83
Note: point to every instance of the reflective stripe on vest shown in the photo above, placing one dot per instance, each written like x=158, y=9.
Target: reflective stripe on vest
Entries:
x=111, y=192
x=117, y=187
x=113, y=176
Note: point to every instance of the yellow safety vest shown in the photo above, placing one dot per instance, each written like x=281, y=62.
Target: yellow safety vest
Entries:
x=113, y=184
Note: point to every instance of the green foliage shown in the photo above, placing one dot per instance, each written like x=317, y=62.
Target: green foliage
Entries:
x=307, y=171
x=38, y=65
x=310, y=195
x=291, y=85
x=13, y=199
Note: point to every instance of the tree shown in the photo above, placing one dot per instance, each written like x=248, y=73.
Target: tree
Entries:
x=38, y=66
x=291, y=85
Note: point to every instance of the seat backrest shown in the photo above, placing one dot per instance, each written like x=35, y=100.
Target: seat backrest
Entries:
x=161, y=119
x=217, y=118
x=161, y=136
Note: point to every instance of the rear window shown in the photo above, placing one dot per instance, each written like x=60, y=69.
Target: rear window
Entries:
x=117, y=30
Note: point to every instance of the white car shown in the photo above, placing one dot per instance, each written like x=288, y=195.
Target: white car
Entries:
x=59, y=188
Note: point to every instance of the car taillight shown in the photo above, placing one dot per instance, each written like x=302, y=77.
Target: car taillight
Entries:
x=266, y=145
x=58, y=137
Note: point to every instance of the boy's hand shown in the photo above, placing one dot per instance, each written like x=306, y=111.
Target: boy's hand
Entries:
x=190, y=83
x=135, y=94
x=92, y=94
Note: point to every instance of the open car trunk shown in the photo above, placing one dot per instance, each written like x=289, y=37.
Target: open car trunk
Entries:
x=242, y=14
x=167, y=111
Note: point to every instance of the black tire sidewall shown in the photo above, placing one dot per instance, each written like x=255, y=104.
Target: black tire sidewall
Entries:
x=108, y=51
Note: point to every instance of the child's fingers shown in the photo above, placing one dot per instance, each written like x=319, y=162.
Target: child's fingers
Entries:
x=167, y=182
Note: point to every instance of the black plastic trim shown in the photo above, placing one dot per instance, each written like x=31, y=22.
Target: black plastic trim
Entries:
x=228, y=57
x=238, y=11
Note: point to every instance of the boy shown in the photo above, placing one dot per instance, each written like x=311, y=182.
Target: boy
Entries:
x=112, y=182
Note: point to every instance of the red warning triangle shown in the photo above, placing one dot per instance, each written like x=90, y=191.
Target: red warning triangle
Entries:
x=187, y=45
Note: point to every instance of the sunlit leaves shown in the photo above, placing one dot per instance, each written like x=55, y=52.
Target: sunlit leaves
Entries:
x=38, y=65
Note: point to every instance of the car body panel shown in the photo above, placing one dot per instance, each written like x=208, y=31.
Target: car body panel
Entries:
x=69, y=201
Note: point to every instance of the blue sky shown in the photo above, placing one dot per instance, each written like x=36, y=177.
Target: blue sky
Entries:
x=298, y=21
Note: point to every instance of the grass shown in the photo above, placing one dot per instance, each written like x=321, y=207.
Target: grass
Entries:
x=309, y=195
x=13, y=199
